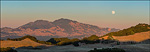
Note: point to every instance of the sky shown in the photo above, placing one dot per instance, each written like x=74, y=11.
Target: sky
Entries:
x=99, y=13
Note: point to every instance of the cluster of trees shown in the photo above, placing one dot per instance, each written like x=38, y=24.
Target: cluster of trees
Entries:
x=8, y=49
x=107, y=50
x=71, y=41
x=1, y=40
x=24, y=37
x=44, y=42
x=30, y=37
x=57, y=40
x=87, y=40
x=141, y=27
x=62, y=41
x=90, y=40
x=65, y=41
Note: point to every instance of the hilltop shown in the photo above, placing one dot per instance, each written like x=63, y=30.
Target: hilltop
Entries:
x=24, y=41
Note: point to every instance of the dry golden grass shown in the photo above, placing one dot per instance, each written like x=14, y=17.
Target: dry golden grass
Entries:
x=24, y=43
x=105, y=37
x=135, y=37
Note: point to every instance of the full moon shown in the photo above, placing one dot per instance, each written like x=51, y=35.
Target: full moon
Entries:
x=113, y=12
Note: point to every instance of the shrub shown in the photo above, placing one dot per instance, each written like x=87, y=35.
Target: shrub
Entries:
x=8, y=38
x=118, y=43
x=62, y=41
x=57, y=40
x=68, y=42
x=107, y=50
x=108, y=41
x=76, y=43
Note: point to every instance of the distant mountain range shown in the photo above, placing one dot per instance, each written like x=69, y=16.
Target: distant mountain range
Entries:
x=61, y=28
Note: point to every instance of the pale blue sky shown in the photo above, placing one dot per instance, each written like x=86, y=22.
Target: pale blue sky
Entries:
x=128, y=13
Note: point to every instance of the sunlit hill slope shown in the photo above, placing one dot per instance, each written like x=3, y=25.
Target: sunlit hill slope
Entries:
x=136, y=33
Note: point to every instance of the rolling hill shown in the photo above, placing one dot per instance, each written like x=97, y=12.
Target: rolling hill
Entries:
x=138, y=37
x=23, y=43
x=136, y=33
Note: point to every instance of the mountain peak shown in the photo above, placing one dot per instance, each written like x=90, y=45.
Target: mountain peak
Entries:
x=6, y=28
x=41, y=21
x=142, y=24
x=63, y=20
x=38, y=24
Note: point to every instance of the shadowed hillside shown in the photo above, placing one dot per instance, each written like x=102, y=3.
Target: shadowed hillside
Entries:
x=58, y=28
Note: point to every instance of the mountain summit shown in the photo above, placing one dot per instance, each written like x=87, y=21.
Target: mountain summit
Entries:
x=61, y=28
x=38, y=24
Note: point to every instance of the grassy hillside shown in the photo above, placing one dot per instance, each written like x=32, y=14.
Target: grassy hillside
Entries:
x=138, y=37
x=141, y=27
x=31, y=38
x=137, y=33
x=22, y=43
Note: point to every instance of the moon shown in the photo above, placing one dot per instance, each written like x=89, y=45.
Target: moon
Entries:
x=113, y=12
